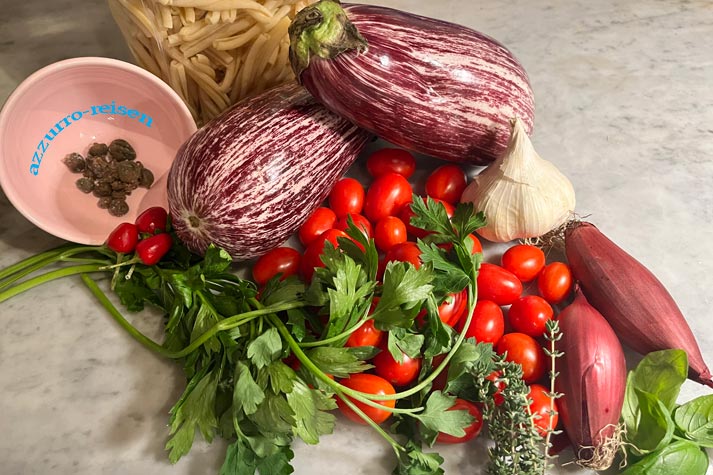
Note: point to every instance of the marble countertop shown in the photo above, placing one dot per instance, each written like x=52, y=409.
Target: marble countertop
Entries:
x=624, y=94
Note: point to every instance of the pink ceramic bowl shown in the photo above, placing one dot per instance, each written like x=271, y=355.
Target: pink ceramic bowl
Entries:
x=64, y=108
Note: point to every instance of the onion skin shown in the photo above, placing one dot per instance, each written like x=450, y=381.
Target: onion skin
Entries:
x=592, y=380
x=635, y=303
x=248, y=179
x=426, y=85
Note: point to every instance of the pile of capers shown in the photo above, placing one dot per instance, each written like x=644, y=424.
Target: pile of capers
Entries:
x=110, y=172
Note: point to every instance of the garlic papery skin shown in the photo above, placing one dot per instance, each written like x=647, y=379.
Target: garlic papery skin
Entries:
x=521, y=194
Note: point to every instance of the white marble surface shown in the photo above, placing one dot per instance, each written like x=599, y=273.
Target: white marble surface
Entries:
x=624, y=93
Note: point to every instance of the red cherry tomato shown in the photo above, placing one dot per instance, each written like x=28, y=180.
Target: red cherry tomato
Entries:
x=386, y=196
x=123, y=238
x=152, y=220
x=555, y=282
x=371, y=384
x=347, y=196
x=499, y=384
x=452, y=308
x=541, y=405
x=391, y=160
x=471, y=431
x=524, y=261
x=365, y=335
x=446, y=183
x=281, y=260
x=152, y=249
x=312, y=255
x=529, y=315
x=388, y=232
x=498, y=284
x=398, y=374
x=318, y=222
x=487, y=324
x=525, y=351
x=407, y=213
x=360, y=222
x=405, y=252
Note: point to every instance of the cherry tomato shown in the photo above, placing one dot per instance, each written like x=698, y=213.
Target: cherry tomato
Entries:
x=471, y=431
x=398, y=374
x=388, y=232
x=152, y=249
x=453, y=307
x=365, y=335
x=487, y=324
x=347, y=196
x=281, y=260
x=152, y=220
x=525, y=351
x=391, y=160
x=407, y=213
x=524, y=261
x=359, y=220
x=529, y=315
x=318, y=222
x=404, y=252
x=123, y=238
x=386, y=196
x=541, y=405
x=312, y=255
x=371, y=384
x=555, y=282
x=498, y=284
x=499, y=384
x=446, y=183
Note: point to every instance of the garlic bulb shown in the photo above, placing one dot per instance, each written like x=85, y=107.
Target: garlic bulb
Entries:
x=521, y=194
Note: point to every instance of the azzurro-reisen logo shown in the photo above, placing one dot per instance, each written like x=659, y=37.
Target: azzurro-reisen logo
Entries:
x=62, y=124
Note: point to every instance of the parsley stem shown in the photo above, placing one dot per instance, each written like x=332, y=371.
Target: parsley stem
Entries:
x=48, y=256
x=225, y=324
x=330, y=340
x=48, y=277
x=339, y=389
x=397, y=447
x=119, y=318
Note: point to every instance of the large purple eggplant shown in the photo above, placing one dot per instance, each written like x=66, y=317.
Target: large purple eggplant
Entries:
x=248, y=179
x=427, y=85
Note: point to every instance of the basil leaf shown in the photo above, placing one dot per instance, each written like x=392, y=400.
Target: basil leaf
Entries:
x=695, y=419
x=681, y=457
x=661, y=373
x=655, y=428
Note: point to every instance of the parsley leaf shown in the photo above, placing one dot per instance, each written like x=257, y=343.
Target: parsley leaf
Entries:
x=194, y=410
x=247, y=394
x=339, y=362
x=413, y=461
x=439, y=418
x=404, y=290
x=309, y=406
x=266, y=348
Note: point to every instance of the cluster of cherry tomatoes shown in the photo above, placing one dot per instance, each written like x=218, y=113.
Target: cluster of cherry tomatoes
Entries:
x=382, y=212
x=146, y=236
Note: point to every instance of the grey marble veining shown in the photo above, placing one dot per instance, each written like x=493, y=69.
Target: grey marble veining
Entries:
x=624, y=97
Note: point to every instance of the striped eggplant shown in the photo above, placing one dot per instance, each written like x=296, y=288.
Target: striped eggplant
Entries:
x=430, y=86
x=248, y=179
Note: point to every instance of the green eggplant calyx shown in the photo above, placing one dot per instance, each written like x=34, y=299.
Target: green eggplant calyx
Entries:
x=322, y=30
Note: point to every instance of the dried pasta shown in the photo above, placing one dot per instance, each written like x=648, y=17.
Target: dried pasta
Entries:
x=213, y=53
